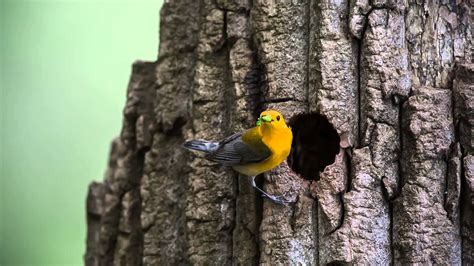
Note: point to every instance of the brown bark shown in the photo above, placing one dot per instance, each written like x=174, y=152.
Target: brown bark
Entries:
x=394, y=84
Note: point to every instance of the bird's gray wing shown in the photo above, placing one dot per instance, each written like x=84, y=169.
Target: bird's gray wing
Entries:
x=233, y=151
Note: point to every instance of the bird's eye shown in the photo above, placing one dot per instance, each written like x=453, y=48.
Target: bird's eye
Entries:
x=278, y=118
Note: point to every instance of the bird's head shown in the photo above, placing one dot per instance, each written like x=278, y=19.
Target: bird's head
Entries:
x=271, y=119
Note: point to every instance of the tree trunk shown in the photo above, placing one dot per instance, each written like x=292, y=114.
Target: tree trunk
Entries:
x=380, y=97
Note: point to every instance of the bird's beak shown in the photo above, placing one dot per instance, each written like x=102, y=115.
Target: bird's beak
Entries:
x=263, y=118
x=266, y=118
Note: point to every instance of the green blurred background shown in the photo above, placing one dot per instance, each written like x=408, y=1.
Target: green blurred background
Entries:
x=64, y=71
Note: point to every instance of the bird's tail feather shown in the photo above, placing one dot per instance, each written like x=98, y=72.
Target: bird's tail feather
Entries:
x=201, y=145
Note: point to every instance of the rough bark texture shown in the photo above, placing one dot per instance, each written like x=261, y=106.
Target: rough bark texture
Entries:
x=395, y=81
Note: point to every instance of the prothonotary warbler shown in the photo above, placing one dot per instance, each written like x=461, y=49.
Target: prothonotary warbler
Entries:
x=254, y=151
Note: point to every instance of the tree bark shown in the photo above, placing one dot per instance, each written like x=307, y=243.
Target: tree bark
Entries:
x=383, y=175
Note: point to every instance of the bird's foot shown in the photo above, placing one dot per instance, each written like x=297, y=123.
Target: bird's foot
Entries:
x=273, y=198
x=277, y=199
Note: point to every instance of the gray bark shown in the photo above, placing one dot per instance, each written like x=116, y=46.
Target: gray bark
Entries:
x=395, y=80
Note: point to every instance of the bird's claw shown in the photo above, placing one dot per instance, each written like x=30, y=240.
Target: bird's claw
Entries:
x=277, y=199
x=273, y=198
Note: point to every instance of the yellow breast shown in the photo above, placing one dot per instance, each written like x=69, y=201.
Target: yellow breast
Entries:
x=279, y=142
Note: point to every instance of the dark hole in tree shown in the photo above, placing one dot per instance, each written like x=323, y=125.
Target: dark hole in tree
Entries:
x=315, y=144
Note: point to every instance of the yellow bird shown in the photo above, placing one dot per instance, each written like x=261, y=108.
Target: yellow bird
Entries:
x=255, y=151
